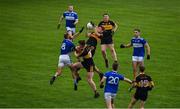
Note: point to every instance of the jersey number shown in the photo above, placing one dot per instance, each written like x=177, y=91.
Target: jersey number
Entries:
x=63, y=47
x=113, y=80
x=144, y=83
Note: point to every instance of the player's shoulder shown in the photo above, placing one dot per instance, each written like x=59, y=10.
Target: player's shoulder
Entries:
x=133, y=38
x=141, y=38
x=66, y=12
x=111, y=21
x=101, y=22
x=74, y=12
x=120, y=75
x=149, y=77
x=108, y=72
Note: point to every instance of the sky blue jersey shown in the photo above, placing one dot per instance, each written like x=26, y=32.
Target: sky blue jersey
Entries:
x=112, y=81
x=138, y=45
x=67, y=47
x=70, y=17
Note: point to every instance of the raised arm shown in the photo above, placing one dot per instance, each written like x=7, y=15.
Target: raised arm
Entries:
x=78, y=33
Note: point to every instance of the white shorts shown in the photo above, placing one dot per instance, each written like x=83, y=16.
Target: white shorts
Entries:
x=137, y=58
x=108, y=96
x=70, y=29
x=64, y=60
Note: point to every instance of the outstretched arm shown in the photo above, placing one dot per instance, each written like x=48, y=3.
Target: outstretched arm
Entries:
x=78, y=33
x=127, y=80
x=126, y=46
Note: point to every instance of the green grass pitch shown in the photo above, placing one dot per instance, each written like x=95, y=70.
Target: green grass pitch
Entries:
x=29, y=50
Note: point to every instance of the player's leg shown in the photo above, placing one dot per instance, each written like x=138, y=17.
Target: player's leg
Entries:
x=112, y=100
x=103, y=51
x=142, y=104
x=132, y=103
x=75, y=68
x=107, y=97
x=92, y=84
x=69, y=31
x=112, y=103
x=98, y=72
x=134, y=65
x=58, y=71
x=113, y=52
x=73, y=30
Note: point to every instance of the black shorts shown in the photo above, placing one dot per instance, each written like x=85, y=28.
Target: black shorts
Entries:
x=141, y=95
x=88, y=64
x=108, y=40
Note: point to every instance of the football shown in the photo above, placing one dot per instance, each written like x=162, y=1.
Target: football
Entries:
x=90, y=26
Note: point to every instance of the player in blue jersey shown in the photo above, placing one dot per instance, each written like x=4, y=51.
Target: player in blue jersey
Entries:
x=111, y=87
x=71, y=18
x=138, y=44
x=67, y=47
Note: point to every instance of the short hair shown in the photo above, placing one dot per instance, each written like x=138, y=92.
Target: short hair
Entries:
x=102, y=27
x=115, y=66
x=136, y=29
x=66, y=35
x=141, y=68
x=82, y=42
x=105, y=14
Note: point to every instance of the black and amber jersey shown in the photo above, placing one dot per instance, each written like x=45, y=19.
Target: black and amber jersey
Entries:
x=143, y=82
x=108, y=26
x=93, y=39
x=85, y=53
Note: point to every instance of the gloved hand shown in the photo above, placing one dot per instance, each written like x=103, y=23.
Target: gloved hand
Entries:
x=81, y=30
x=148, y=57
x=101, y=86
x=122, y=46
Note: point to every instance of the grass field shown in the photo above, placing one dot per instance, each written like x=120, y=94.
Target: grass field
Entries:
x=29, y=50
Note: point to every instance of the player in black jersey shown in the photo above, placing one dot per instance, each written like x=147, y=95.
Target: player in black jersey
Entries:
x=93, y=39
x=143, y=84
x=106, y=40
x=83, y=51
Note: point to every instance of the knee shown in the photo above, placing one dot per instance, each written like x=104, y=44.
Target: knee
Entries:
x=89, y=80
x=112, y=50
x=103, y=51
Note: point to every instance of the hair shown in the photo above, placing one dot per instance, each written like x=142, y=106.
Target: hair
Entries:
x=115, y=66
x=141, y=68
x=66, y=35
x=105, y=14
x=136, y=29
x=102, y=27
x=82, y=42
